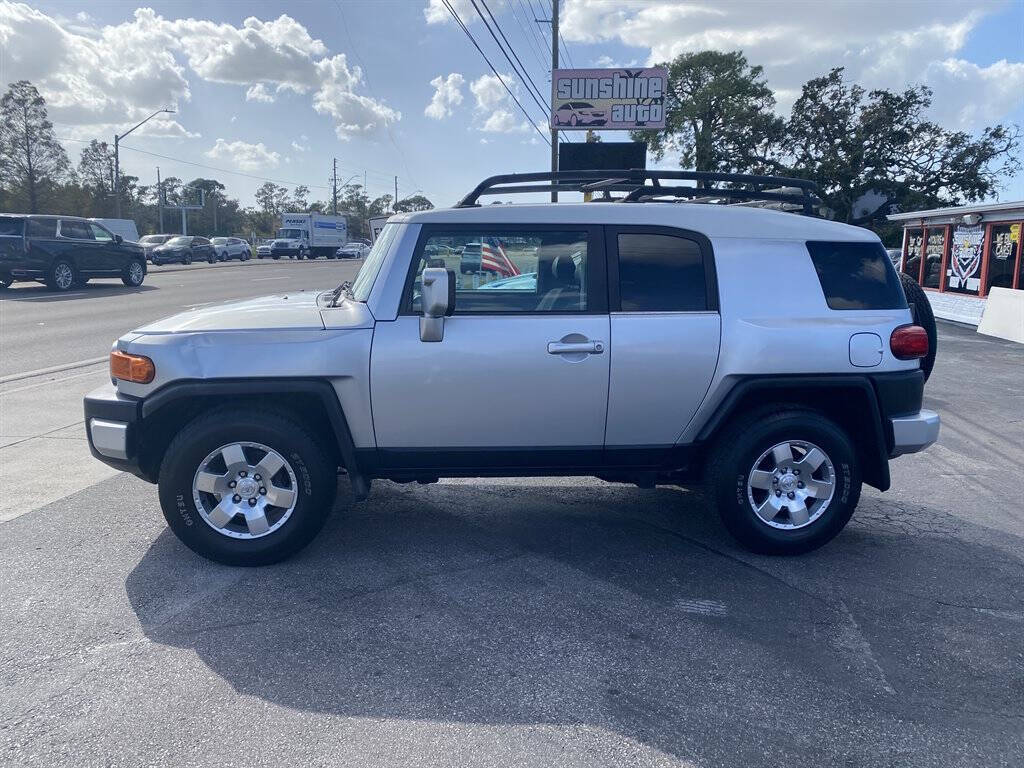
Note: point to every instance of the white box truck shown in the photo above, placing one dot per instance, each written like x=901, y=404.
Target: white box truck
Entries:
x=309, y=235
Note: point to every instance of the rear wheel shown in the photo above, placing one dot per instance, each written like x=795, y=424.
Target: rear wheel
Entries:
x=186, y=259
x=923, y=316
x=5, y=281
x=61, y=276
x=785, y=481
x=246, y=489
x=134, y=274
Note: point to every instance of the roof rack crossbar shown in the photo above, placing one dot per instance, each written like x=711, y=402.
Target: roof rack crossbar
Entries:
x=633, y=181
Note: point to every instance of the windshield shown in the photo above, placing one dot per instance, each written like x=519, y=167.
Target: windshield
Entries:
x=180, y=241
x=153, y=239
x=289, y=234
x=219, y=241
x=368, y=272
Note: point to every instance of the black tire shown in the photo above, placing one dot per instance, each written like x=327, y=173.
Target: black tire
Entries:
x=134, y=273
x=186, y=259
x=921, y=309
x=316, y=486
x=5, y=281
x=737, y=449
x=57, y=276
x=246, y=256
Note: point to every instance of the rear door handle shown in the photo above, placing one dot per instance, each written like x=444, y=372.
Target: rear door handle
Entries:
x=575, y=347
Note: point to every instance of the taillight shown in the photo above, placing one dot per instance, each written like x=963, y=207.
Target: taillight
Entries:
x=134, y=368
x=909, y=342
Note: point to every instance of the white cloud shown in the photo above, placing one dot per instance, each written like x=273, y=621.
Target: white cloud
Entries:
x=447, y=95
x=243, y=155
x=260, y=93
x=436, y=13
x=495, y=110
x=300, y=147
x=891, y=46
x=111, y=75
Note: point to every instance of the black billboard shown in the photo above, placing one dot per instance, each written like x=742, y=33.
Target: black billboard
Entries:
x=602, y=155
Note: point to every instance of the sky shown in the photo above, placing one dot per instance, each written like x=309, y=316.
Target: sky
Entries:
x=278, y=90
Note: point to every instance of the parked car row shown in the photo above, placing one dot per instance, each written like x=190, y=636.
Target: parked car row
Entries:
x=272, y=249
x=184, y=249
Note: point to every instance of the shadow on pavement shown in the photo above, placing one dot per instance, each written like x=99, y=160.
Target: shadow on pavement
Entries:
x=95, y=287
x=622, y=609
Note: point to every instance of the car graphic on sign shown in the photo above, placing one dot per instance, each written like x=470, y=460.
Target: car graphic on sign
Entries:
x=579, y=113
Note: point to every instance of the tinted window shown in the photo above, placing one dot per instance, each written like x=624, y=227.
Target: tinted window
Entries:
x=42, y=228
x=856, y=276
x=661, y=273
x=10, y=226
x=100, y=233
x=1002, y=258
x=76, y=229
x=509, y=271
x=200, y=241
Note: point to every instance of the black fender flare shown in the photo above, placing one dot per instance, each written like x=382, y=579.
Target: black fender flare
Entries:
x=319, y=388
x=875, y=438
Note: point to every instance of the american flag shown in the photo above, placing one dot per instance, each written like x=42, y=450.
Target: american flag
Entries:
x=494, y=259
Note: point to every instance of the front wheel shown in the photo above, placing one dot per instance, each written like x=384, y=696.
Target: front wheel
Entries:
x=786, y=481
x=134, y=274
x=5, y=281
x=246, y=488
x=187, y=259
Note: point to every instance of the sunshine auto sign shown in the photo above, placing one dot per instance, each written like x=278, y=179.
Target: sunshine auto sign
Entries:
x=608, y=99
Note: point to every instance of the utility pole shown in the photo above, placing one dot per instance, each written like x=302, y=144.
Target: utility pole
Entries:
x=395, y=202
x=334, y=184
x=160, y=199
x=554, y=66
x=364, y=181
x=117, y=160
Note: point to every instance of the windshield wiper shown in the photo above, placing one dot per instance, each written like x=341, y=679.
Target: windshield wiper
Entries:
x=345, y=289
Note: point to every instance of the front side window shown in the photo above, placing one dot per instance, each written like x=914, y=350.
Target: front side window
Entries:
x=77, y=230
x=661, y=273
x=100, y=234
x=507, y=271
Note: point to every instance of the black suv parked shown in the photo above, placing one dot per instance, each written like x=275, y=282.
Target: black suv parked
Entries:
x=184, y=249
x=65, y=251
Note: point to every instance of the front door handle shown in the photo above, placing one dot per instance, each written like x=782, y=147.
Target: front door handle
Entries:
x=575, y=347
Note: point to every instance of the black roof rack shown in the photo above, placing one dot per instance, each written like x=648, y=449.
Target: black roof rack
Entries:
x=781, y=191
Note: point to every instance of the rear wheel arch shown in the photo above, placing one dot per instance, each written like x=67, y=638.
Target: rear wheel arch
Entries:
x=849, y=401
x=310, y=402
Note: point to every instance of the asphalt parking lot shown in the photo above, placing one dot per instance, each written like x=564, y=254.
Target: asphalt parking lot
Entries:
x=490, y=622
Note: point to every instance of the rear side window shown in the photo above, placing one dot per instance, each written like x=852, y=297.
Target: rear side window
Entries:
x=661, y=273
x=10, y=226
x=42, y=228
x=856, y=276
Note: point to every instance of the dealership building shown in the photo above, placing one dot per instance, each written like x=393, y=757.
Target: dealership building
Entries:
x=960, y=254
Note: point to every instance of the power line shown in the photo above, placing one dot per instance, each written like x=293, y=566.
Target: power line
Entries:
x=362, y=65
x=495, y=71
x=527, y=27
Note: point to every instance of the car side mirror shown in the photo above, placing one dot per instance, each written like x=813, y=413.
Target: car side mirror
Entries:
x=118, y=239
x=438, y=299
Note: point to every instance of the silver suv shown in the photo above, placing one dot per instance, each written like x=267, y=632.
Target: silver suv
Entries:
x=769, y=355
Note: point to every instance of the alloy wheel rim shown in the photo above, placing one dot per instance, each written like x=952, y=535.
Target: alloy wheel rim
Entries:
x=791, y=484
x=135, y=272
x=63, y=275
x=245, y=490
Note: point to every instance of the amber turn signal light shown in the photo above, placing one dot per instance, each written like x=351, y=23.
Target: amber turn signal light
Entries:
x=131, y=367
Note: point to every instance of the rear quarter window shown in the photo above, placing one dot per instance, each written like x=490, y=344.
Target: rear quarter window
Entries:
x=856, y=275
x=10, y=226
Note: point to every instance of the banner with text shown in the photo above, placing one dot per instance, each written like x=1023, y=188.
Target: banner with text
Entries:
x=609, y=99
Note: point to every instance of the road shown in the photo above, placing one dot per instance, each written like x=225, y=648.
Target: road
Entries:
x=541, y=622
x=40, y=328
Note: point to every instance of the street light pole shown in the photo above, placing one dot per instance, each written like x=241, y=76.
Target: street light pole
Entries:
x=117, y=160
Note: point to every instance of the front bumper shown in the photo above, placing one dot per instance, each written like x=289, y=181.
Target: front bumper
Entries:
x=289, y=252
x=914, y=432
x=111, y=425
